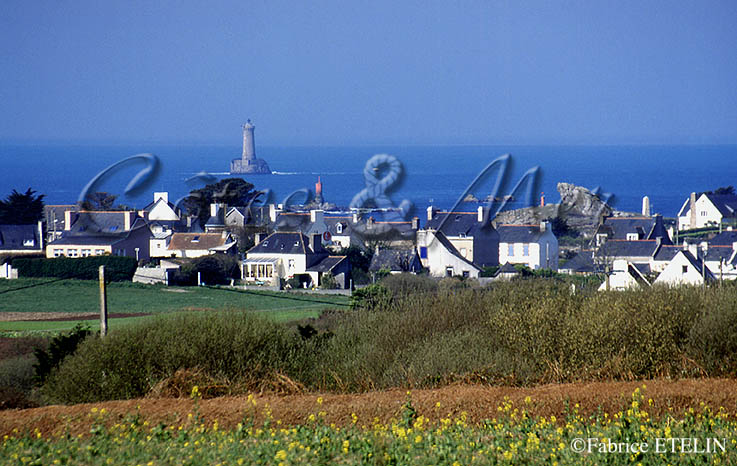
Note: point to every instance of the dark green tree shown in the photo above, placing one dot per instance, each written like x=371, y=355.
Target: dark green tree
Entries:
x=22, y=209
x=230, y=191
x=99, y=201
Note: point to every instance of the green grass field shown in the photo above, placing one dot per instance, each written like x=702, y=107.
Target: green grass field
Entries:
x=82, y=296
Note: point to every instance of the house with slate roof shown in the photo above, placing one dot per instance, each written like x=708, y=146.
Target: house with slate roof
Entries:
x=637, y=252
x=473, y=237
x=632, y=229
x=283, y=255
x=442, y=258
x=685, y=269
x=395, y=261
x=20, y=240
x=699, y=211
x=580, y=264
x=95, y=233
x=532, y=245
x=55, y=219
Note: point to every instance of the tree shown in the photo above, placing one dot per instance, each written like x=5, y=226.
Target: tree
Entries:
x=230, y=191
x=721, y=190
x=21, y=209
x=99, y=201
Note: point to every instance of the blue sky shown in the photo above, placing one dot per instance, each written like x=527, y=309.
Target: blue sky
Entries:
x=382, y=72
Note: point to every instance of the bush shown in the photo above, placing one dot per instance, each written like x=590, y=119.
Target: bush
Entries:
x=117, y=268
x=237, y=348
x=59, y=348
x=408, y=283
x=215, y=269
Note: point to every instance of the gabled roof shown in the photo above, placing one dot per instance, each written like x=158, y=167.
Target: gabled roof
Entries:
x=283, y=242
x=19, y=237
x=87, y=222
x=519, y=233
x=454, y=223
x=624, y=248
x=292, y=221
x=394, y=260
x=638, y=272
x=439, y=236
x=196, y=241
x=151, y=206
x=725, y=203
x=699, y=265
x=667, y=252
x=644, y=227
x=725, y=238
x=507, y=268
x=717, y=253
x=583, y=262
x=327, y=264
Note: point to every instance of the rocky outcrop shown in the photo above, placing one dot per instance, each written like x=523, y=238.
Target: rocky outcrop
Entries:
x=581, y=209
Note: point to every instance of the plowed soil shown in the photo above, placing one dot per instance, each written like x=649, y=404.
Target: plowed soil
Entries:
x=480, y=402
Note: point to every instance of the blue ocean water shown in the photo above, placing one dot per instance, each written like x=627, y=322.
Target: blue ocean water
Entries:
x=437, y=175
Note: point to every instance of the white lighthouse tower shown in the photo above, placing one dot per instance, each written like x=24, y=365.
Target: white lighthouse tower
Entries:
x=248, y=163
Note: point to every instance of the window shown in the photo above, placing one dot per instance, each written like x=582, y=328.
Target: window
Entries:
x=72, y=253
x=466, y=274
x=339, y=228
x=703, y=213
x=196, y=239
x=463, y=252
x=449, y=271
x=114, y=228
x=684, y=269
x=511, y=250
x=526, y=249
x=86, y=252
x=461, y=235
x=291, y=263
x=99, y=252
x=29, y=242
x=632, y=237
x=423, y=252
x=58, y=252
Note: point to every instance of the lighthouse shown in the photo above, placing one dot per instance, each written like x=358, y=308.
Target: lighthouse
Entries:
x=248, y=163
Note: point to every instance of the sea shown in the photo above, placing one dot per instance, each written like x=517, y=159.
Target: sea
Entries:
x=440, y=176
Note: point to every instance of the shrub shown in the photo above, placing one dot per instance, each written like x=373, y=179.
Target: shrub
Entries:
x=59, y=348
x=117, y=268
x=328, y=281
x=408, y=283
x=236, y=347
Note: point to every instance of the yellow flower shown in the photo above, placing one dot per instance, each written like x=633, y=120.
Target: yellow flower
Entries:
x=281, y=455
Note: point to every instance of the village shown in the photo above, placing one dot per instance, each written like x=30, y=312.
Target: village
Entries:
x=319, y=246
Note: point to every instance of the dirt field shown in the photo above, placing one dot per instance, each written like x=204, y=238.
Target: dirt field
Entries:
x=478, y=401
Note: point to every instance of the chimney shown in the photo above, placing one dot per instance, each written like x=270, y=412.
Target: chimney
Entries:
x=734, y=246
x=646, y=206
x=67, y=220
x=256, y=239
x=370, y=223
x=316, y=243
x=543, y=225
x=355, y=217
x=480, y=214
x=272, y=213
x=214, y=209
x=542, y=199
x=692, y=206
x=415, y=223
x=429, y=213
x=161, y=195
x=316, y=216
x=127, y=220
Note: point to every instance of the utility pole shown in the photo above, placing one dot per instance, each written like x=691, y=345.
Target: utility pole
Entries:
x=103, y=303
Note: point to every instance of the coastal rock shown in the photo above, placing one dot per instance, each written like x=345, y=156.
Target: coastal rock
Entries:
x=581, y=209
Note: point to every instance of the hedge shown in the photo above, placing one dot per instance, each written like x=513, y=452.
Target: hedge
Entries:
x=117, y=268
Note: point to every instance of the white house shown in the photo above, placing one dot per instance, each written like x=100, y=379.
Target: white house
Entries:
x=685, y=269
x=532, y=245
x=442, y=258
x=161, y=209
x=283, y=255
x=705, y=210
x=624, y=276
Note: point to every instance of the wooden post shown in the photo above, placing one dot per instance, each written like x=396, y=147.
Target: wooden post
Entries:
x=103, y=303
